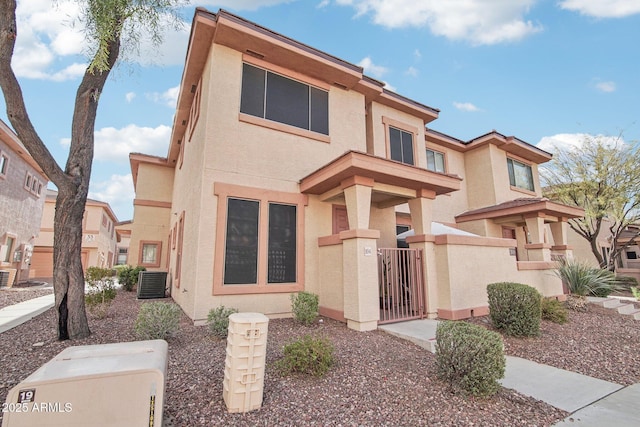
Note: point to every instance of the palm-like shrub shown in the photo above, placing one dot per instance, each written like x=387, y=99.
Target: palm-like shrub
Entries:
x=585, y=280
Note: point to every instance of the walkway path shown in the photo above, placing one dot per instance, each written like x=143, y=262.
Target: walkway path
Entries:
x=590, y=401
x=17, y=314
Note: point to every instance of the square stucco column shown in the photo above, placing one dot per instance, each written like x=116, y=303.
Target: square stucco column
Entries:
x=360, y=278
x=421, y=217
x=357, y=195
x=559, y=231
x=537, y=249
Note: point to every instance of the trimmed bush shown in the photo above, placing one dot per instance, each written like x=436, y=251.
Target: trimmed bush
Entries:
x=218, y=320
x=101, y=291
x=157, y=320
x=304, y=306
x=553, y=310
x=515, y=308
x=128, y=276
x=307, y=355
x=636, y=292
x=585, y=280
x=469, y=357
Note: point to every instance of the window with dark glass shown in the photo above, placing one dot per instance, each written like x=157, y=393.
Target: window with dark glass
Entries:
x=241, y=252
x=274, y=97
x=520, y=175
x=435, y=161
x=401, y=145
x=282, y=243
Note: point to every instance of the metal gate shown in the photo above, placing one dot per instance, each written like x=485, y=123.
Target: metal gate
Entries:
x=401, y=283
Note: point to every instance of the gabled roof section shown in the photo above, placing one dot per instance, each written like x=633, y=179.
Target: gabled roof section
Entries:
x=255, y=40
x=510, y=144
x=9, y=137
x=136, y=158
x=522, y=206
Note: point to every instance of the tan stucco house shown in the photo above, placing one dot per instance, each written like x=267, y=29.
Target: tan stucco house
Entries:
x=99, y=237
x=22, y=194
x=288, y=169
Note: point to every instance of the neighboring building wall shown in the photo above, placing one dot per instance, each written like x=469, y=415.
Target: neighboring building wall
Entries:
x=152, y=211
x=22, y=196
x=98, y=237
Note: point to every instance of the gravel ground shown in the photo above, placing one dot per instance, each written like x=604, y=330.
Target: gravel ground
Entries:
x=378, y=379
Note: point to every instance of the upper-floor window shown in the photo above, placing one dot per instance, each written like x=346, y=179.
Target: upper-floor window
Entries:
x=4, y=163
x=401, y=145
x=274, y=97
x=520, y=175
x=435, y=161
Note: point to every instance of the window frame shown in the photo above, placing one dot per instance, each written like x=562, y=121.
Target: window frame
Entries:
x=514, y=185
x=281, y=126
x=390, y=123
x=157, y=261
x=8, y=256
x=224, y=192
x=4, y=164
x=436, y=153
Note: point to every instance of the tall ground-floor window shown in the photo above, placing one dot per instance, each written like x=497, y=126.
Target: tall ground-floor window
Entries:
x=259, y=240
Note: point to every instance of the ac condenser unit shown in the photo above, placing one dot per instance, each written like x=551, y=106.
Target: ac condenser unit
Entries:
x=152, y=284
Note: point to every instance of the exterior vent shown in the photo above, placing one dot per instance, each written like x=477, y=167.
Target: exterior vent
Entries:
x=4, y=279
x=151, y=284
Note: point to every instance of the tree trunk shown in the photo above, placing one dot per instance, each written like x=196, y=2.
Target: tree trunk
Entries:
x=68, y=279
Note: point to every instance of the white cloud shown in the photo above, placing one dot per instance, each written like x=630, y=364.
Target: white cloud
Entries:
x=129, y=96
x=466, y=106
x=372, y=69
x=417, y=55
x=603, y=8
x=481, y=22
x=118, y=192
x=565, y=141
x=169, y=97
x=606, y=86
x=51, y=43
x=412, y=71
x=114, y=145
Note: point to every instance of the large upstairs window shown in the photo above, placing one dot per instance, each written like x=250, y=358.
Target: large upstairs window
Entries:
x=274, y=97
x=401, y=145
x=520, y=175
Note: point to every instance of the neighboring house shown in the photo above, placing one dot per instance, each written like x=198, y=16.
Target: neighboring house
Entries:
x=98, y=237
x=290, y=170
x=123, y=232
x=629, y=263
x=22, y=187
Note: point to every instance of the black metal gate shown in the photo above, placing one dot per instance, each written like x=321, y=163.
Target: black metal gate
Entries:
x=401, y=284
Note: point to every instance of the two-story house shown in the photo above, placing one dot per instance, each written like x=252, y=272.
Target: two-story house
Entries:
x=99, y=237
x=22, y=188
x=288, y=169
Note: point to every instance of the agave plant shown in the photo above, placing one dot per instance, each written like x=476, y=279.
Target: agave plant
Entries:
x=586, y=280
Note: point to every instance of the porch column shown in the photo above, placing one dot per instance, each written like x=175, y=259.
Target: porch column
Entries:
x=421, y=216
x=537, y=249
x=360, y=263
x=559, y=231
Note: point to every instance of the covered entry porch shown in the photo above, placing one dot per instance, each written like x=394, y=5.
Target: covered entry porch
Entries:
x=368, y=188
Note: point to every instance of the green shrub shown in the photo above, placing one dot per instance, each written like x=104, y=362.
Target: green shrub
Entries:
x=128, y=276
x=636, y=292
x=218, y=320
x=307, y=355
x=157, y=320
x=627, y=282
x=515, y=308
x=585, y=280
x=469, y=357
x=101, y=291
x=553, y=310
x=304, y=306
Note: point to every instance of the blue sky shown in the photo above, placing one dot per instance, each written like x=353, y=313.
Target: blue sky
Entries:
x=545, y=71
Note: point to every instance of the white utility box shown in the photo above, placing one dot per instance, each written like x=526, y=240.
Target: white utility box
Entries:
x=103, y=385
x=245, y=363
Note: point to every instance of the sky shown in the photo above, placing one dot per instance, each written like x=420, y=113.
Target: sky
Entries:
x=550, y=72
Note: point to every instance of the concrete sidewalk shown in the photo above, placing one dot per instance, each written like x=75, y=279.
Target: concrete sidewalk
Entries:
x=15, y=315
x=591, y=401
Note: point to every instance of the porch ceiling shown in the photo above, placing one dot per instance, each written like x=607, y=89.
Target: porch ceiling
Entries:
x=393, y=182
x=521, y=208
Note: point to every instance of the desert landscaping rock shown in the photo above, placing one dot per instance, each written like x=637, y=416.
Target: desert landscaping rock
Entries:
x=377, y=380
